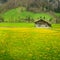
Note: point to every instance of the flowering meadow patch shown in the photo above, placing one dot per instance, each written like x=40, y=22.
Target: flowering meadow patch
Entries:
x=29, y=44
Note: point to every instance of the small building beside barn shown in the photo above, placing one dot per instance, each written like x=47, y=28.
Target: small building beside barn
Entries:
x=42, y=23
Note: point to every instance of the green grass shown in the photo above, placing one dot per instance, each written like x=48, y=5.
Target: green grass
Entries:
x=29, y=25
x=56, y=27
x=58, y=14
x=29, y=44
x=16, y=24
x=18, y=14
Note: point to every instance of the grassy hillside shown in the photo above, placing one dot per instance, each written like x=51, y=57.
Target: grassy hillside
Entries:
x=29, y=44
x=21, y=13
x=58, y=14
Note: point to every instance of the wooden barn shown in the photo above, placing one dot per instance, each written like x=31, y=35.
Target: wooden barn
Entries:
x=42, y=23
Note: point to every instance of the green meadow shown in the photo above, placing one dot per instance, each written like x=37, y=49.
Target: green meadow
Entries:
x=25, y=25
x=22, y=41
x=29, y=25
x=29, y=44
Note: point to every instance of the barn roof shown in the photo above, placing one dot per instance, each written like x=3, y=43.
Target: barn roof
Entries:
x=41, y=20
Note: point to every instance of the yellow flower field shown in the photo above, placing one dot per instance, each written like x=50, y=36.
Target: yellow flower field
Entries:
x=29, y=44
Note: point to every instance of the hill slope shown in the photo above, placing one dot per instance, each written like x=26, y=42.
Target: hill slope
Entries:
x=20, y=13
